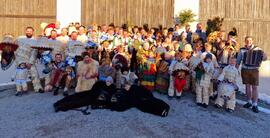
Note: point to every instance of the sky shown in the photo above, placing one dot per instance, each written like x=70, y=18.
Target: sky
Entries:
x=68, y=11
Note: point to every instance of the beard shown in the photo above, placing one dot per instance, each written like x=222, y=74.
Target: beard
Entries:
x=29, y=35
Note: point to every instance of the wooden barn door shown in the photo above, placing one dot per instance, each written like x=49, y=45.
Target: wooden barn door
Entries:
x=134, y=12
x=15, y=15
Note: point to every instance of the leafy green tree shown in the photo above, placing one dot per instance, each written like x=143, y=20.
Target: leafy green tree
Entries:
x=185, y=17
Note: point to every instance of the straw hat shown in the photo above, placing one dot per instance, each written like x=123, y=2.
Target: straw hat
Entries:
x=42, y=44
x=8, y=40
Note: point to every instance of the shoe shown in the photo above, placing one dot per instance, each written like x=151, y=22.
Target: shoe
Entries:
x=218, y=106
x=199, y=104
x=41, y=91
x=229, y=110
x=18, y=94
x=55, y=92
x=65, y=93
x=170, y=97
x=204, y=105
x=247, y=105
x=255, y=109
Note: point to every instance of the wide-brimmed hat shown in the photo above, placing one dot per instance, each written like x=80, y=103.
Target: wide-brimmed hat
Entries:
x=42, y=44
x=8, y=40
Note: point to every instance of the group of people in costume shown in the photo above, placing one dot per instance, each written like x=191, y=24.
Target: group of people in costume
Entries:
x=165, y=60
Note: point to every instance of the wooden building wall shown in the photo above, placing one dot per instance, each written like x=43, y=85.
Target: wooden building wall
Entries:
x=135, y=12
x=250, y=17
x=15, y=15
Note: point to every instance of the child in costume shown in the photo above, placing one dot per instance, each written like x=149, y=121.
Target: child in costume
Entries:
x=177, y=77
x=228, y=86
x=147, y=67
x=68, y=76
x=193, y=63
x=213, y=88
x=21, y=77
x=163, y=77
x=204, y=73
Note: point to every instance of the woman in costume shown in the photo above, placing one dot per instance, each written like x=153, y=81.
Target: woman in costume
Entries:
x=87, y=73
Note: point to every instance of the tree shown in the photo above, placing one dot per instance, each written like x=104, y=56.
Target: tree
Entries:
x=214, y=24
x=185, y=17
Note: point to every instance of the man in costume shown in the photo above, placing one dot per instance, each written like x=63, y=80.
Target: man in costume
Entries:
x=26, y=54
x=251, y=57
x=74, y=50
x=58, y=46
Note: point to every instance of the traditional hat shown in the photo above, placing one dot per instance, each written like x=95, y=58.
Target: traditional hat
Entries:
x=8, y=41
x=187, y=48
x=42, y=44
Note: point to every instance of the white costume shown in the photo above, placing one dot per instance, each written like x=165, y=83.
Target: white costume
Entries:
x=202, y=85
x=226, y=91
x=21, y=79
x=25, y=54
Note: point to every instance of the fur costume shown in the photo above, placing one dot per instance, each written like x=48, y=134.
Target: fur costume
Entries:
x=86, y=75
x=177, y=81
x=27, y=55
x=204, y=73
x=97, y=97
x=227, y=87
